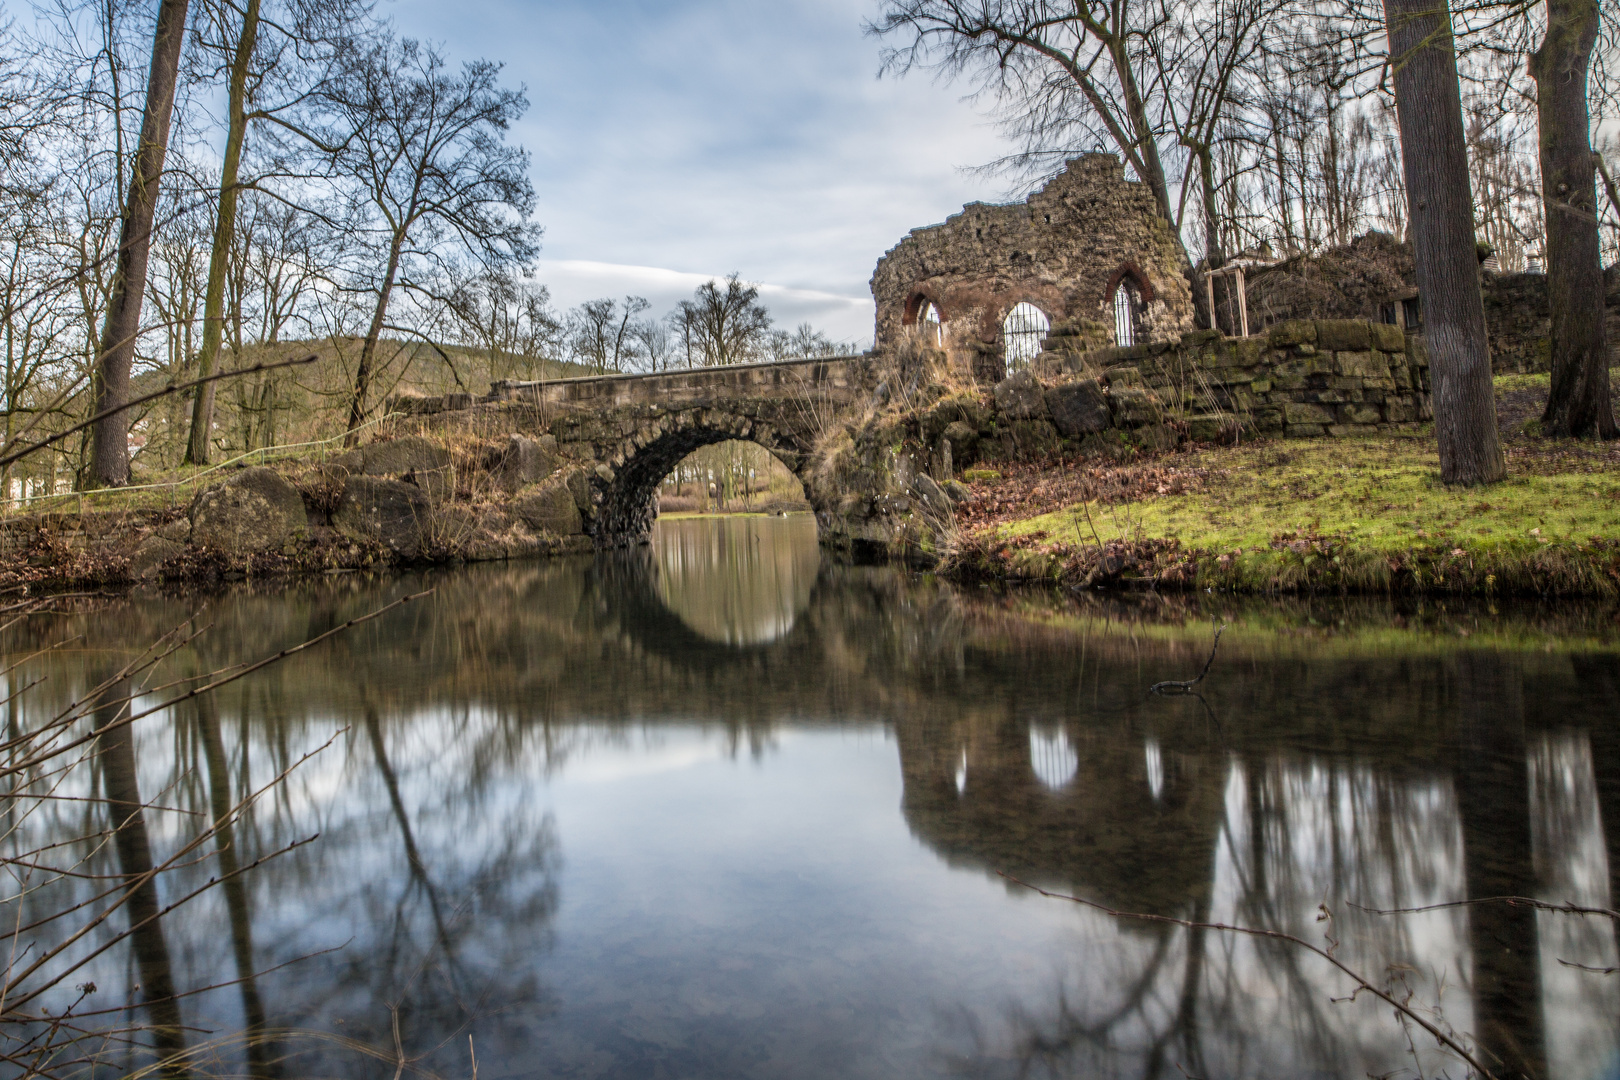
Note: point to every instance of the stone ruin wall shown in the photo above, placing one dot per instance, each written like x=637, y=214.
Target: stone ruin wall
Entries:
x=1064, y=250
x=1300, y=379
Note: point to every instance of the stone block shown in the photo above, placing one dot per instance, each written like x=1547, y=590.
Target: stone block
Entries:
x=1417, y=351
x=410, y=453
x=386, y=512
x=1078, y=408
x=1399, y=410
x=1387, y=337
x=1134, y=408
x=1361, y=414
x=962, y=436
x=1260, y=386
x=1363, y=365
x=1123, y=376
x=1335, y=335
x=1305, y=431
x=1292, y=332
x=1195, y=338
x=255, y=510
x=1020, y=397
x=1299, y=412
x=579, y=486
x=523, y=461
x=1320, y=364
x=549, y=507
x=1340, y=431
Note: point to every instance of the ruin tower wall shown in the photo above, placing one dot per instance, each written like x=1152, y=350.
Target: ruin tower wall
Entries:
x=1064, y=250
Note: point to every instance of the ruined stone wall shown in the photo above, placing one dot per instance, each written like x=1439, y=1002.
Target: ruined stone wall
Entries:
x=1300, y=379
x=1518, y=320
x=1064, y=250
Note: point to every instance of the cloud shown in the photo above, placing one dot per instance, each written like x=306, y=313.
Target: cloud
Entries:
x=716, y=135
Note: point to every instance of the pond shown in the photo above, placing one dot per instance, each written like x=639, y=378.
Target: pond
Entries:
x=724, y=807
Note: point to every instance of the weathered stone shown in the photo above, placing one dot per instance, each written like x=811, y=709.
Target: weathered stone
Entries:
x=1019, y=397
x=1336, y=335
x=1364, y=365
x=1134, y=408
x=962, y=436
x=1292, y=332
x=1299, y=412
x=389, y=513
x=1065, y=250
x=524, y=461
x=1123, y=376
x=549, y=507
x=257, y=509
x=1387, y=337
x=1078, y=408
x=147, y=561
x=410, y=453
x=957, y=492
x=1361, y=414
x=932, y=496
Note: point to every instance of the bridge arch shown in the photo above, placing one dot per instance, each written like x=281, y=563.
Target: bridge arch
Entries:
x=626, y=489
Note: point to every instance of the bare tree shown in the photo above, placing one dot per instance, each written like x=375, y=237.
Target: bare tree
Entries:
x=727, y=326
x=1424, y=61
x=123, y=323
x=431, y=174
x=1579, y=400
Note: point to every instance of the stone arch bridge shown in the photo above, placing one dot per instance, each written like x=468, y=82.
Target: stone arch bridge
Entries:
x=624, y=433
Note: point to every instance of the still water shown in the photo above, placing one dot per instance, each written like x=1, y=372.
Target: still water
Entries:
x=726, y=808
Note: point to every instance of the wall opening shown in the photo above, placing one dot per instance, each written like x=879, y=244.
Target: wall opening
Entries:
x=731, y=477
x=1127, y=310
x=933, y=329
x=1022, y=332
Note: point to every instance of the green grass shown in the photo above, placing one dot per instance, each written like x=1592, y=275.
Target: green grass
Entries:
x=1381, y=494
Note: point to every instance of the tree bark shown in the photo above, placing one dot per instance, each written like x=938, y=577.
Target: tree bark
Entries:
x=1579, y=402
x=202, y=413
x=1434, y=153
x=368, y=351
x=109, y=463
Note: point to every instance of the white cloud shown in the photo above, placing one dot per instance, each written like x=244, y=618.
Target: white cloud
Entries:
x=712, y=136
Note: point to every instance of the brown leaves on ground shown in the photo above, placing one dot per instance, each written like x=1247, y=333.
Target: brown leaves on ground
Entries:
x=1028, y=490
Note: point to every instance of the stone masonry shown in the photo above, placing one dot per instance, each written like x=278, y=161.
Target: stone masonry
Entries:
x=1065, y=250
x=1300, y=379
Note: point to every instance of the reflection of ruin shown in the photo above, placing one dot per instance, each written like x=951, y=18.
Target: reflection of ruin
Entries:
x=1025, y=748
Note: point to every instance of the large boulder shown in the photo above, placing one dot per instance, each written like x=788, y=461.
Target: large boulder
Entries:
x=1078, y=408
x=1019, y=397
x=255, y=510
x=550, y=508
x=523, y=461
x=390, y=513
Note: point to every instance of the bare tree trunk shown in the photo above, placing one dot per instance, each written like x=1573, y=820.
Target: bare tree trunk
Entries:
x=368, y=352
x=110, y=454
x=1579, y=403
x=1435, y=155
x=202, y=413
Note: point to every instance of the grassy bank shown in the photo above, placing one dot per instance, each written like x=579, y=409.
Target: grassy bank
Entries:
x=1360, y=515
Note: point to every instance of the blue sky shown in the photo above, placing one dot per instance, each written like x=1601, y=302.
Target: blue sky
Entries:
x=677, y=141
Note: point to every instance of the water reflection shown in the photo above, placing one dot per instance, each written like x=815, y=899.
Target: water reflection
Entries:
x=737, y=580
x=568, y=815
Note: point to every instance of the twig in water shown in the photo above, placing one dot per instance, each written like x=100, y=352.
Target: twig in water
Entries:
x=1173, y=686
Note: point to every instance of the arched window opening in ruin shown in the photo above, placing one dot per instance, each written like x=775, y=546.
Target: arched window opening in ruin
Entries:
x=1127, y=309
x=1022, y=332
x=933, y=329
